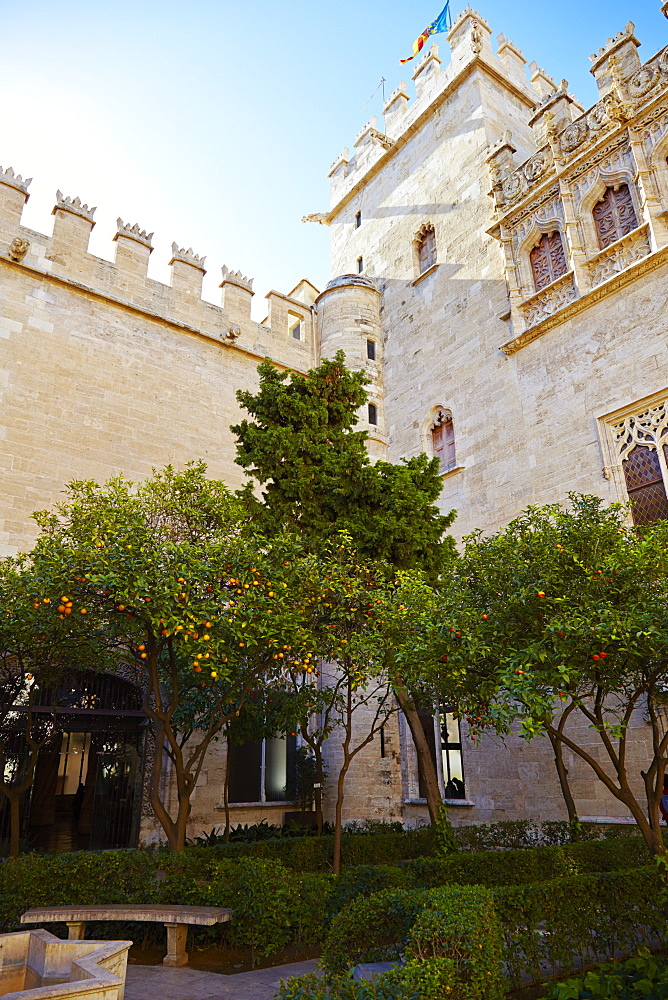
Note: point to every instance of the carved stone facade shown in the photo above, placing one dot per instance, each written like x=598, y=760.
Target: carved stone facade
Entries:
x=545, y=383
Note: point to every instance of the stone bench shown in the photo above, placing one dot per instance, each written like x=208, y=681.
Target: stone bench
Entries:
x=176, y=919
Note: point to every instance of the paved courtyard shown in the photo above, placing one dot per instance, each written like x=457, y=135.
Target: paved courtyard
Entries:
x=154, y=982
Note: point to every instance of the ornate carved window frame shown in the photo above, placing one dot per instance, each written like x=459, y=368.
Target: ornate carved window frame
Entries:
x=604, y=180
x=614, y=447
x=419, y=237
x=658, y=162
x=436, y=414
x=539, y=227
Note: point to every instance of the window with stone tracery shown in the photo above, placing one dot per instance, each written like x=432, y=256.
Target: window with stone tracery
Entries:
x=641, y=443
x=614, y=215
x=548, y=260
x=425, y=244
x=442, y=433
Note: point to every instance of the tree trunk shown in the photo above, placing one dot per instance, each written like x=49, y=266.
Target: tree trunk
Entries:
x=15, y=838
x=425, y=760
x=562, y=772
x=339, y=813
x=226, y=793
x=320, y=775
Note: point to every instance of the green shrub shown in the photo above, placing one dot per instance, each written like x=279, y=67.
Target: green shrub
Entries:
x=641, y=978
x=313, y=987
x=553, y=927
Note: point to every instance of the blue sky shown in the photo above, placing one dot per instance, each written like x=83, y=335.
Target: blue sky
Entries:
x=214, y=124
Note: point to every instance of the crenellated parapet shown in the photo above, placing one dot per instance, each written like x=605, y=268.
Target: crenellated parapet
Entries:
x=63, y=259
x=592, y=202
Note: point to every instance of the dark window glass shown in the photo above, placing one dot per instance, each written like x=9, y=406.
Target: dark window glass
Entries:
x=245, y=772
x=358, y=220
x=548, y=260
x=451, y=750
x=296, y=331
x=371, y=350
x=427, y=250
x=443, y=440
x=373, y=414
x=614, y=215
x=645, y=486
x=360, y=265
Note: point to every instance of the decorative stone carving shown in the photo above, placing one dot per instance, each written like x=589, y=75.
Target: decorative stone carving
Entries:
x=648, y=429
x=73, y=205
x=663, y=60
x=643, y=81
x=574, y=135
x=18, y=249
x=598, y=117
x=549, y=300
x=617, y=110
x=237, y=278
x=619, y=255
x=536, y=166
x=231, y=334
x=514, y=187
x=14, y=180
x=319, y=217
x=187, y=257
x=476, y=38
x=133, y=233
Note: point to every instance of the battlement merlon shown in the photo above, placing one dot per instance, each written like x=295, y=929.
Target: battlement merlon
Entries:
x=237, y=294
x=187, y=271
x=13, y=196
x=133, y=248
x=617, y=60
x=72, y=226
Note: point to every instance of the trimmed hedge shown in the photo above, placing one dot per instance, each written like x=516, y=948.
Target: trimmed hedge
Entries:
x=452, y=941
x=548, y=927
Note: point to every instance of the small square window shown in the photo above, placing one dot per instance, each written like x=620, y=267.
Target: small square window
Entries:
x=296, y=329
x=358, y=220
x=360, y=265
x=371, y=350
x=373, y=414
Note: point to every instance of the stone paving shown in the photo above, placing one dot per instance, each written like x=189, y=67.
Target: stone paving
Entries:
x=155, y=982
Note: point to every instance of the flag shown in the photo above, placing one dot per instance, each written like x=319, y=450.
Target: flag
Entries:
x=442, y=23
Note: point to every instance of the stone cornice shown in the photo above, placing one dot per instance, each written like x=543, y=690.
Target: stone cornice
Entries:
x=590, y=298
x=138, y=310
x=478, y=62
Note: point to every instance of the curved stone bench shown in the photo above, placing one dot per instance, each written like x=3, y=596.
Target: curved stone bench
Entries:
x=176, y=919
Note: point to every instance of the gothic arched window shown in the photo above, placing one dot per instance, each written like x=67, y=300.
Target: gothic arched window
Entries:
x=548, y=260
x=614, y=215
x=425, y=244
x=442, y=434
x=641, y=443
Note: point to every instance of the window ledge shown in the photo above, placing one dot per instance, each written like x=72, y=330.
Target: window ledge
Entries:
x=425, y=273
x=253, y=805
x=448, y=802
x=444, y=473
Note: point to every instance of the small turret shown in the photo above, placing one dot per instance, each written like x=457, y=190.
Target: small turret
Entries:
x=349, y=321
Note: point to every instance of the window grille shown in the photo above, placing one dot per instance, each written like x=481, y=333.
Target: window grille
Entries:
x=548, y=260
x=614, y=215
x=641, y=443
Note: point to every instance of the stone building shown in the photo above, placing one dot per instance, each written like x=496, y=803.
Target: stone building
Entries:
x=499, y=262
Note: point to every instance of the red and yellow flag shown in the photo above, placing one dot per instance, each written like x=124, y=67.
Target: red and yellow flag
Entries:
x=442, y=23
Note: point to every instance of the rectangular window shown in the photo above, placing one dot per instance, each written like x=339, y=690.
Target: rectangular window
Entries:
x=371, y=350
x=358, y=220
x=450, y=741
x=360, y=265
x=295, y=326
x=373, y=414
x=262, y=771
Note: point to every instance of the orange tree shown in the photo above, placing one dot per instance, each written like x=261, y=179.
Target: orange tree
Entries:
x=36, y=648
x=558, y=625
x=170, y=571
x=370, y=629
